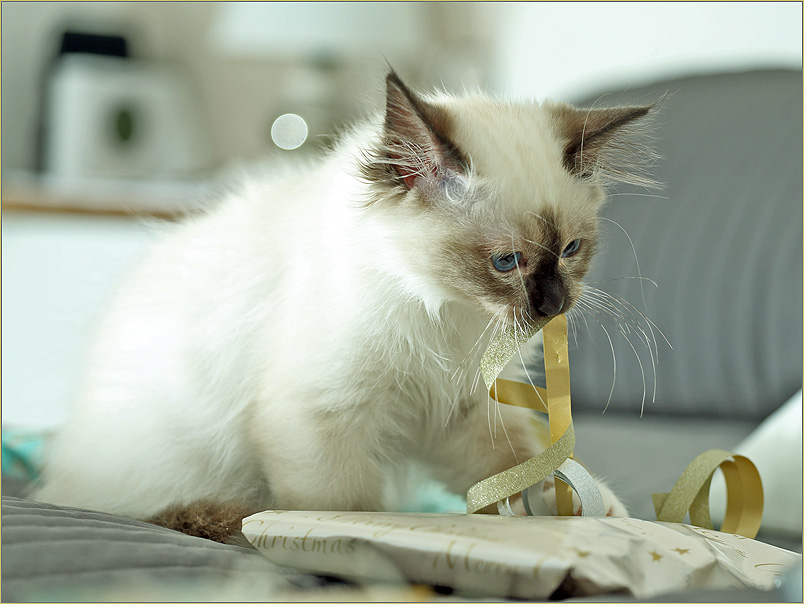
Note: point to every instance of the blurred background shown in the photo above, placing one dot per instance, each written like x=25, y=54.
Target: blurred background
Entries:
x=176, y=90
x=116, y=114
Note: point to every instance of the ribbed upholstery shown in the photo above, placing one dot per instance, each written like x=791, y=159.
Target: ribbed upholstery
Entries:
x=53, y=553
x=724, y=245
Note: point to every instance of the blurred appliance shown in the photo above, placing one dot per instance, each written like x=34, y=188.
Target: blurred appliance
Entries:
x=108, y=115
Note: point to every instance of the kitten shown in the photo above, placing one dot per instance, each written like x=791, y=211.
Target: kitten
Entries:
x=292, y=347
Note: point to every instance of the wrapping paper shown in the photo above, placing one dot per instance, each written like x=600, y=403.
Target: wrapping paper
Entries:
x=522, y=556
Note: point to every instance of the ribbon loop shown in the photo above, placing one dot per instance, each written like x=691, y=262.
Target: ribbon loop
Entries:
x=581, y=481
x=744, y=499
x=520, y=477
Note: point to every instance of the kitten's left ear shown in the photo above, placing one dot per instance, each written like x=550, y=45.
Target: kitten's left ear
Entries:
x=612, y=142
x=417, y=146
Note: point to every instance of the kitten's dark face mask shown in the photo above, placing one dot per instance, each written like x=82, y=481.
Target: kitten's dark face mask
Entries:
x=534, y=270
x=550, y=271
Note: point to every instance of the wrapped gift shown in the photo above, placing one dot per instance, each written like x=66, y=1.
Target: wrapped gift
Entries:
x=528, y=557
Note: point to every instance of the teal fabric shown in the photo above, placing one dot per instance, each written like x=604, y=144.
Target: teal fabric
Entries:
x=433, y=498
x=22, y=453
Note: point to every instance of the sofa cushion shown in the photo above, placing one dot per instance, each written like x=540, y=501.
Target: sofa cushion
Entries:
x=722, y=240
x=53, y=553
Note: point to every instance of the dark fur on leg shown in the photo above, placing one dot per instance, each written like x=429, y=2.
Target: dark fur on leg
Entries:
x=212, y=520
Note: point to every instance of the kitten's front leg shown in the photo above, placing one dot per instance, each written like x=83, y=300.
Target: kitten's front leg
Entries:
x=483, y=440
x=318, y=460
x=611, y=503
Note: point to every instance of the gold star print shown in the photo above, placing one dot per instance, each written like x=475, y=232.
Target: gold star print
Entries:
x=681, y=551
x=656, y=556
x=581, y=553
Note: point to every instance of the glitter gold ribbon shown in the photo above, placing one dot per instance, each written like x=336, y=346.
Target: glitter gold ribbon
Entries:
x=744, y=499
x=554, y=399
x=522, y=476
x=503, y=348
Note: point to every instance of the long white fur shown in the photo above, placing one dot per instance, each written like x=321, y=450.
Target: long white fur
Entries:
x=292, y=346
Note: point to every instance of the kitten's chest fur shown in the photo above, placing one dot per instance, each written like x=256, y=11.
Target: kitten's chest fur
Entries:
x=298, y=291
x=426, y=364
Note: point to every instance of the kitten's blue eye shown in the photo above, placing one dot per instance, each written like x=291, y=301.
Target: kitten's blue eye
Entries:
x=506, y=263
x=571, y=248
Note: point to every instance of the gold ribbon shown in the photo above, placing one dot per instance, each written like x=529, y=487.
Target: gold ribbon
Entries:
x=503, y=348
x=744, y=499
x=557, y=376
x=522, y=476
x=554, y=400
x=690, y=494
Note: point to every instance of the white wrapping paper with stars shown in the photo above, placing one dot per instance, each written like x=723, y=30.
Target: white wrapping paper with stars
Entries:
x=521, y=557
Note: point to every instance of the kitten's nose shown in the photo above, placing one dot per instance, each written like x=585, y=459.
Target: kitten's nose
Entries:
x=551, y=305
x=548, y=299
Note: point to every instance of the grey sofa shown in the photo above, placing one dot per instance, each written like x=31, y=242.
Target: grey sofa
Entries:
x=723, y=242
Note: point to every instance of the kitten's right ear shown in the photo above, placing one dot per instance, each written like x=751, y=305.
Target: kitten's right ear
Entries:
x=613, y=142
x=417, y=145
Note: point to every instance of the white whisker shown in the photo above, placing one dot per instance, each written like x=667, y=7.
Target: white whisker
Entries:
x=625, y=331
x=637, y=195
x=633, y=311
x=613, y=357
x=651, y=281
x=633, y=249
x=629, y=321
x=488, y=419
x=543, y=219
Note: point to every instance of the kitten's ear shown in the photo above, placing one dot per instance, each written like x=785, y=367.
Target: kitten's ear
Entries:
x=614, y=143
x=417, y=146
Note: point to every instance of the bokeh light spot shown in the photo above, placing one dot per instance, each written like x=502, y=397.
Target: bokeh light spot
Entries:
x=289, y=131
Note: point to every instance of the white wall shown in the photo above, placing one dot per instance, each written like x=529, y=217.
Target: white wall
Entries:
x=58, y=273
x=539, y=49
x=572, y=49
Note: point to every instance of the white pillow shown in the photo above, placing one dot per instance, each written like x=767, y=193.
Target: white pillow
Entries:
x=775, y=448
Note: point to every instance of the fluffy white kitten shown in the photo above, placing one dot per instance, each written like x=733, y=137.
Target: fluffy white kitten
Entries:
x=291, y=347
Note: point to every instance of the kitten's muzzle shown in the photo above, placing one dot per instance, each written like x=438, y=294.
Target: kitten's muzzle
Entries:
x=547, y=298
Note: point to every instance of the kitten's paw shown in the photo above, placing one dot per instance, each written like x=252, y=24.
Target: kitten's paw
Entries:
x=612, y=505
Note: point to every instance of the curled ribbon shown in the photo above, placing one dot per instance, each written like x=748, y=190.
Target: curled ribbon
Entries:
x=555, y=400
x=690, y=494
x=577, y=477
x=522, y=476
x=744, y=499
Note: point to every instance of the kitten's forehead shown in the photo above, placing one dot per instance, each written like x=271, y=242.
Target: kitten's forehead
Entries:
x=517, y=147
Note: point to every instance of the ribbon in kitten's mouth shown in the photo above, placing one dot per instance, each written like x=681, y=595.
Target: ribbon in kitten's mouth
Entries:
x=555, y=400
x=507, y=344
